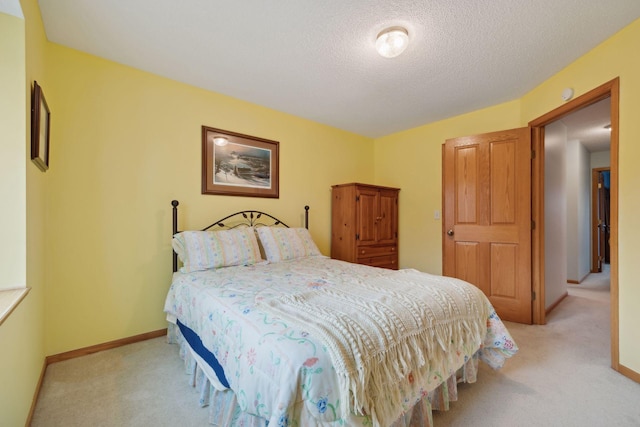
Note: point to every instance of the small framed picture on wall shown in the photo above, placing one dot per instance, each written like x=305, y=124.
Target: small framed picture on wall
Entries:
x=40, y=127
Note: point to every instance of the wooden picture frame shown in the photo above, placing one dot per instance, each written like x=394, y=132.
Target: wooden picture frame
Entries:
x=234, y=164
x=40, y=127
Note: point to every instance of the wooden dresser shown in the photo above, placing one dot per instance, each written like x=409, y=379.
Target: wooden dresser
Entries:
x=364, y=224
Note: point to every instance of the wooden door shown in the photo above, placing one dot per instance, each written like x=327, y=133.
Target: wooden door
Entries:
x=603, y=221
x=600, y=230
x=487, y=217
x=387, y=217
x=600, y=225
x=367, y=201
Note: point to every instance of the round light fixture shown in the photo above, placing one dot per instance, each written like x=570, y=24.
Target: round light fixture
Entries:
x=392, y=41
x=220, y=141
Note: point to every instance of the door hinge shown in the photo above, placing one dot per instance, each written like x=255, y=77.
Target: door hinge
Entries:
x=533, y=225
x=357, y=236
x=533, y=296
x=533, y=154
x=357, y=198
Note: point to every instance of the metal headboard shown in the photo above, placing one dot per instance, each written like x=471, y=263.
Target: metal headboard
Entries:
x=239, y=219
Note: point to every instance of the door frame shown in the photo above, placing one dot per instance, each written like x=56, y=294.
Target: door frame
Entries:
x=611, y=90
x=595, y=238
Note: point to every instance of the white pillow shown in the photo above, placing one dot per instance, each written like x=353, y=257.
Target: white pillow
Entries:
x=202, y=250
x=282, y=244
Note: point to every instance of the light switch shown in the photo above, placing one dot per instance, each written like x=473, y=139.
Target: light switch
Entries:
x=436, y=214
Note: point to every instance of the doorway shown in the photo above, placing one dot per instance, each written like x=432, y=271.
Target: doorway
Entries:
x=573, y=146
x=608, y=90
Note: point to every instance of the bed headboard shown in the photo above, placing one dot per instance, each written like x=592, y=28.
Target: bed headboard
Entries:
x=239, y=219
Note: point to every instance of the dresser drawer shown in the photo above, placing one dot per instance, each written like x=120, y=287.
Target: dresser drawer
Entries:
x=385, y=261
x=369, y=251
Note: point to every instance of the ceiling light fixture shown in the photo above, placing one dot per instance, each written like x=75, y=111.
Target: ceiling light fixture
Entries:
x=392, y=41
x=220, y=141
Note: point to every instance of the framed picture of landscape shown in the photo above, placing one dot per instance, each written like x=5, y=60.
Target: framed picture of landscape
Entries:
x=234, y=164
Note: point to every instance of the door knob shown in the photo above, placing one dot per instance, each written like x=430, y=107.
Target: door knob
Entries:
x=450, y=232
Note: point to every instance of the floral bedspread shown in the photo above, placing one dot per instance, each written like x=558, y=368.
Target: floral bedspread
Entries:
x=272, y=366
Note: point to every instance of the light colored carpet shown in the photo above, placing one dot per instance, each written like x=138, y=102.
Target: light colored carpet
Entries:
x=141, y=384
x=560, y=377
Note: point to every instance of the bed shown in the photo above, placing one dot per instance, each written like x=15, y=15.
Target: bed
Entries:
x=273, y=333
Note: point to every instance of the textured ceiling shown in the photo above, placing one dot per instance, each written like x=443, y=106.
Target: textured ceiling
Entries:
x=316, y=59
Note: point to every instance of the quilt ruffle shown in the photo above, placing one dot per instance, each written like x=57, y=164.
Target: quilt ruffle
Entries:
x=225, y=411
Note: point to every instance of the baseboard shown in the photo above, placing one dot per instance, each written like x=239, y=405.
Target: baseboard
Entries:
x=577, y=282
x=555, y=304
x=105, y=346
x=36, y=394
x=629, y=373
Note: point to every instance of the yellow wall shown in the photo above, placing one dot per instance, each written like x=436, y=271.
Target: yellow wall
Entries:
x=21, y=335
x=412, y=160
x=21, y=361
x=124, y=144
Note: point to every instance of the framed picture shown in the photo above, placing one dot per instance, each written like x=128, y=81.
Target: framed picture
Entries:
x=234, y=164
x=40, y=126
